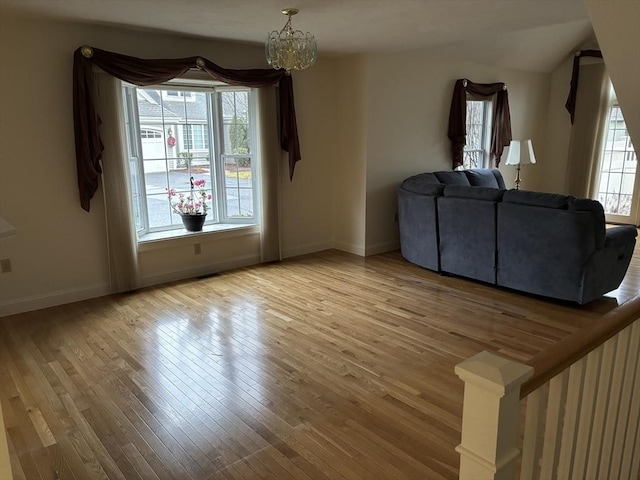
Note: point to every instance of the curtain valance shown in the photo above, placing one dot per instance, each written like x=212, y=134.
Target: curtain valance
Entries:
x=144, y=72
x=501, y=130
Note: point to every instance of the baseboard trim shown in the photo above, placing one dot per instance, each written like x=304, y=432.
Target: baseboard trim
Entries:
x=305, y=249
x=61, y=297
x=38, y=302
x=381, y=248
x=237, y=262
x=350, y=248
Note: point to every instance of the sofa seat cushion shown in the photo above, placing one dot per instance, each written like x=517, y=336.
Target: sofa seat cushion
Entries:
x=485, y=177
x=537, y=199
x=423, y=183
x=475, y=193
x=452, y=178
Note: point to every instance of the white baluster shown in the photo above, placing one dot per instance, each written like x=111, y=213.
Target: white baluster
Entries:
x=602, y=406
x=628, y=415
x=553, y=430
x=587, y=412
x=534, y=433
x=569, y=424
x=613, y=410
x=635, y=462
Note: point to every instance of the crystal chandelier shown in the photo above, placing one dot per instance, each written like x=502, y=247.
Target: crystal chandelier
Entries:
x=291, y=49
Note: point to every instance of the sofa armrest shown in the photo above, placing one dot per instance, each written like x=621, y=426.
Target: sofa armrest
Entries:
x=617, y=236
x=606, y=268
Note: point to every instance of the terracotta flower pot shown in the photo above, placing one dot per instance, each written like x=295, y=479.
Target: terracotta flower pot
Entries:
x=193, y=223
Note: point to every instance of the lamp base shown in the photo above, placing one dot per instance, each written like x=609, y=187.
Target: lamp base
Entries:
x=517, y=180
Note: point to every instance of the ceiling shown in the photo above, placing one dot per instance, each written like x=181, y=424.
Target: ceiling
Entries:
x=538, y=33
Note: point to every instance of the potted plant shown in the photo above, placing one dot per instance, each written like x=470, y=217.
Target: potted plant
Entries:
x=193, y=207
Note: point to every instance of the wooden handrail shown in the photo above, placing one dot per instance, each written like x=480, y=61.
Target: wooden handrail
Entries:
x=565, y=353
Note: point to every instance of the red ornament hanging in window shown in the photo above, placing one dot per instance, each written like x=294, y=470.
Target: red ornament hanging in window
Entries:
x=171, y=141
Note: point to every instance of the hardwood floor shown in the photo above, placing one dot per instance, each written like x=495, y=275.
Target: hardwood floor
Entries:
x=327, y=366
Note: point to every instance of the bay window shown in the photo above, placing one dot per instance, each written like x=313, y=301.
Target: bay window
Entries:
x=179, y=133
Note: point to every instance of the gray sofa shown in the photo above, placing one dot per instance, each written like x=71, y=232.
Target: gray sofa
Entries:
x=465, y=223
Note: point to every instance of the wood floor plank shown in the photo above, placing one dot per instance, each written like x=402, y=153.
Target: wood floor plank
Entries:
x=325, y=366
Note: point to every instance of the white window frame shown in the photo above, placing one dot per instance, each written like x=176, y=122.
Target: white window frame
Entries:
x=218, y=218
x=253, y=147
x=634, y=214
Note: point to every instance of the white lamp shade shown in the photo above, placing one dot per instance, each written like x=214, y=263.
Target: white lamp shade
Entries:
x=520, y=153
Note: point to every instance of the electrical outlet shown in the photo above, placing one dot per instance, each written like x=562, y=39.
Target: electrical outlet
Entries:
x=197, y=249
x=5, y=265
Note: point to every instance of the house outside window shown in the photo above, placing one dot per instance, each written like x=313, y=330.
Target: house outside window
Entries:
x=150, y=134
x=196, y=137
x=178, y=95
x=204, y=132
x=478, y=127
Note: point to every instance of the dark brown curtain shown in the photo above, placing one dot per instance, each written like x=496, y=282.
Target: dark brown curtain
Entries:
x=575, y=74
x=501, y=131
x=144, y=72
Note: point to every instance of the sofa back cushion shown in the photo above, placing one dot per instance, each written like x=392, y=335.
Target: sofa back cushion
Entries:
x=452, y=178
x=596, y=210
x=485, y=177
x=467, y=233
x=423, y=183
x=537, y=199
x=476, y=193
x=543, y=250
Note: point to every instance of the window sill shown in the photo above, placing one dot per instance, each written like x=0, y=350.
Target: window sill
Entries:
x=178, y=237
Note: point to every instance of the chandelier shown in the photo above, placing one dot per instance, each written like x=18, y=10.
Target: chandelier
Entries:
x=291, y=49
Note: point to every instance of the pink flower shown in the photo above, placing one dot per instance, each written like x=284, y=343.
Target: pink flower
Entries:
x=190, y=203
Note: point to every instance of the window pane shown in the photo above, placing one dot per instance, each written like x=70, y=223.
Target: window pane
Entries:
x=476, y=128
x=158, y=208
x=472, y=159
x=155, y=183
x=618, y=165
x=235, y=121
x=238, y=187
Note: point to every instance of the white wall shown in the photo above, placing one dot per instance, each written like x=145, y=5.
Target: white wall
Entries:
x=550, y=176
x=59, y=252
x=408, y=103
x=349, y=158
x=615, y=23
x=306, y=202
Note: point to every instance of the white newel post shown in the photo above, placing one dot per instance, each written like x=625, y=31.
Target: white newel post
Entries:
x=491, y=416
